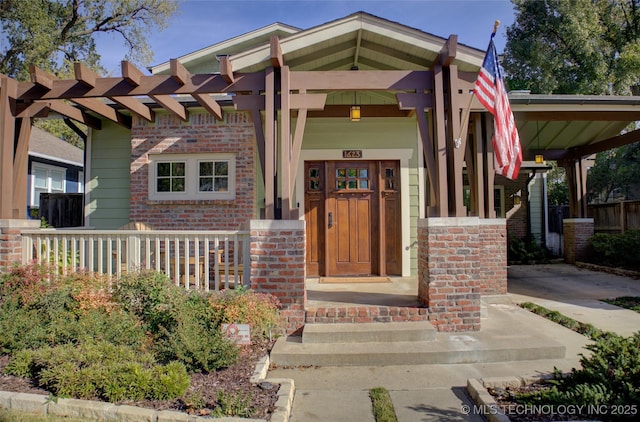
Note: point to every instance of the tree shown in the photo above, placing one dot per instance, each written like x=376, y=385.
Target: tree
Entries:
x=580, y=47
x=574, y=46
x=52, y=34
x=557, y=189
x=615, y=174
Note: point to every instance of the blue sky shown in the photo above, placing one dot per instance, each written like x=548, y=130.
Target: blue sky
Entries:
x=200, y=23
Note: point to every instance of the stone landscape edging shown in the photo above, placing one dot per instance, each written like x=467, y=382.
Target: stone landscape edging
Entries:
x=484, y=401
x=98, y=410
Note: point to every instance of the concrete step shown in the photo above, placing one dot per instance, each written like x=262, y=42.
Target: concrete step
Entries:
x=446, y=349
x=381, y=332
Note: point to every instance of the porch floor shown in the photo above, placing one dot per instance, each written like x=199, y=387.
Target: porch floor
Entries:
x=400, y=291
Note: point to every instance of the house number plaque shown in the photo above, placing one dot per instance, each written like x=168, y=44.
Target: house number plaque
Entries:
x=351, y=153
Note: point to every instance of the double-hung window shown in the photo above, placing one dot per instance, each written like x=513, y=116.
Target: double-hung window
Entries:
x=191, y=176
x=46, y=179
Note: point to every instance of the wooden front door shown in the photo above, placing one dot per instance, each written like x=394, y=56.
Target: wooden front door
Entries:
x=352, y=210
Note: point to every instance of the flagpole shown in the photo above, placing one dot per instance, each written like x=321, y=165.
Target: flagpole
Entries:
x=467, y=110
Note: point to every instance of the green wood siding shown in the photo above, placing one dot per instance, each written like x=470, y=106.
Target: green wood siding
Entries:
x=109, y=180
x=536, y=208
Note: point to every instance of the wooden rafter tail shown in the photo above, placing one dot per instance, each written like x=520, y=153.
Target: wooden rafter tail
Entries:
x=172, y=105
x=84, y=75
x=41, y=78
x=74, y=113
x=277, y=60
x=226, y=70
x=131, y=74
x=88, y=78
x=181, y=75
x=135, y=106
x=449, y=50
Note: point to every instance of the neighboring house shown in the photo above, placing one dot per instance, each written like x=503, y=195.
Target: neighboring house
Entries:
x=55, y=166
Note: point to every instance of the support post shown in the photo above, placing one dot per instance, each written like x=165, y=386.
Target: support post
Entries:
x=278, y=266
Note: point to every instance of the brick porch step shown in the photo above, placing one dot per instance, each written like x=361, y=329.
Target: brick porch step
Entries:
x=365, y=314
x=369, y=332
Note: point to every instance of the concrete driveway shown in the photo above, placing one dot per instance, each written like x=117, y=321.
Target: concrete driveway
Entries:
x=577, y=293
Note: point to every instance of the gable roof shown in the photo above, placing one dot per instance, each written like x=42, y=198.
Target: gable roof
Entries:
x=43, y=144
x=206, y=57
x=360, y=39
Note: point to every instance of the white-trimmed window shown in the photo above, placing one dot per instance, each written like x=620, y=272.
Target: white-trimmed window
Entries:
x=46, y=179
x=192, y=176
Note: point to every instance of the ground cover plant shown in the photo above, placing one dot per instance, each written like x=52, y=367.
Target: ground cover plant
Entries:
x=382, y=405
x=628, y=302
x=140, y=340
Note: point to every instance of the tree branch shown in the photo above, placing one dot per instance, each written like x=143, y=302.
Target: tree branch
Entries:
x=74, y=18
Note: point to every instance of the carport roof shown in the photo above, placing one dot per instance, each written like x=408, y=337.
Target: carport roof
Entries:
x=573, y=126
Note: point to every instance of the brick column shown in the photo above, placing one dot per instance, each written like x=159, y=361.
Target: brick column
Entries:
x=448, y=262
x=278, y=266
x=11, y=240
x=492, y=271
x=577, y=232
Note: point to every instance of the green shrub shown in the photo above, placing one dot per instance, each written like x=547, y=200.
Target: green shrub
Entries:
x=194, y=337
x=616, y=250
x=183, y=324
x=49, y=310
x=100, y=371
x=151, y=296
x=248, y=307
x=610, y=375
x=526, y=252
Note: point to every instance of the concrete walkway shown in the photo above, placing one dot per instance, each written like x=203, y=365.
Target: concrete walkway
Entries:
x=437, y=392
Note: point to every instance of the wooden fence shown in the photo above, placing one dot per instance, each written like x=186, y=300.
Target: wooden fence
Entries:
x=615, y=217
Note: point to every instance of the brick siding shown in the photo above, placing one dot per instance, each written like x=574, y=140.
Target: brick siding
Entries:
x=278, y=266
x=203, y=133
x=448, y=263
x=577, y=232
x=11, y=241
x=492, y=271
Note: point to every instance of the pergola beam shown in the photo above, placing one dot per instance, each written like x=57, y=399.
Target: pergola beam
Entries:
x=88, y=78
x=180, y=74
x=148, y=85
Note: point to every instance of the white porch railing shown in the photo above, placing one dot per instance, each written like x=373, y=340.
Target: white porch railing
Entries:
x=208, y=260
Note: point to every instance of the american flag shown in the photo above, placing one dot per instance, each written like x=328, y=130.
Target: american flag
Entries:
x=490, y=90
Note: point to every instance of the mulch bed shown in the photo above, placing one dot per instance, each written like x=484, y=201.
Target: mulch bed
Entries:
x=235, y=379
